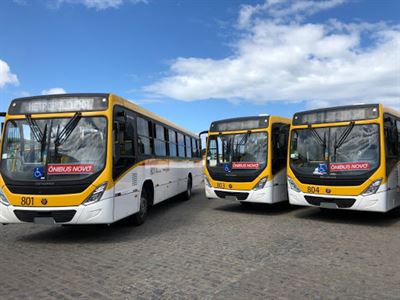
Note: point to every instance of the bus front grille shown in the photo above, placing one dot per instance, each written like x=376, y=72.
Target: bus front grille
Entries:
x=340, y=202
x=59, y=216
x=239, y=196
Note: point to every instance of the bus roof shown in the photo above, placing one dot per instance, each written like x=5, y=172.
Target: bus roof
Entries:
x=130, y=105
x=16, y=107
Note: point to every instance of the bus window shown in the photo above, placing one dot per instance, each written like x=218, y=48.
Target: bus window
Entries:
x=144, y=137
x=188, y=147
x=391, y=141
x=124, y=147
x=159, y=141
x=194, y=148
x=172, y=142
x=212, y=153
x=181, y=145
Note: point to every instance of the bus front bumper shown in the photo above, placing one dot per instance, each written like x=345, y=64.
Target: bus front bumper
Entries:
x=263, y=195
x=100, y=212
x=375, y=202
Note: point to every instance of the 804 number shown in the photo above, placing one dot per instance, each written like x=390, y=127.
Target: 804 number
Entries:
x=313, y=190
x=27, y=201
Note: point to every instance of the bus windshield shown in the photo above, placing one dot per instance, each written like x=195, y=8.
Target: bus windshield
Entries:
x=339, y=151
x=54, y=149
x=238, y=151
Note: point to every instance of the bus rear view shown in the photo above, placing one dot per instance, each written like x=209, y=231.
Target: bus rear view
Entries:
x=246, y=159
x=345, y=158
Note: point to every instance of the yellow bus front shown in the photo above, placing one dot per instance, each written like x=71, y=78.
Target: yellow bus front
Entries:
x=56, y=160
x=239, y=161
x=337, y=159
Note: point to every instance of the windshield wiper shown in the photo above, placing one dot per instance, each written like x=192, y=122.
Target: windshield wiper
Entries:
x=242, y=141
x=244, y=138
x=36, y=131
x=67, y=130
x=317, y=137
x=343, y=137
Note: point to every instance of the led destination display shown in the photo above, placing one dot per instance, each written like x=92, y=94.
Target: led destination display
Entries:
x=58, y=104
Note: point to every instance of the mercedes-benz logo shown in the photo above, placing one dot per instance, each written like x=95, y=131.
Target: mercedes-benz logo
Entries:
x=44, y=201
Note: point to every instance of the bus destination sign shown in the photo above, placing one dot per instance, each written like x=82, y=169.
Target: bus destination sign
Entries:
x=57, y=105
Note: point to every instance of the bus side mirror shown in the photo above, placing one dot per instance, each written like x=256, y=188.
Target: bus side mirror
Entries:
x=2, y=127
x=200, y=134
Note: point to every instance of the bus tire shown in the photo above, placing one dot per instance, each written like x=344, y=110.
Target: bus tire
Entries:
x=188, y=193
x=138, y=218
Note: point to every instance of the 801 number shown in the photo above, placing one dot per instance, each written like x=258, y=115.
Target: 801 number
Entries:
x=27, y=201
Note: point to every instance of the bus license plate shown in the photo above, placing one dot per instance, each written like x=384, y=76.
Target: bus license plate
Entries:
x=313, y=189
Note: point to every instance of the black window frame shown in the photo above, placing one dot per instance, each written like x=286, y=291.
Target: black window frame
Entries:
x=392, y=141
x=126, y=161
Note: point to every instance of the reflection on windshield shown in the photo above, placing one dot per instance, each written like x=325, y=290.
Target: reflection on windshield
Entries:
x=32, y=151
x=236, y=148
x=350, y=150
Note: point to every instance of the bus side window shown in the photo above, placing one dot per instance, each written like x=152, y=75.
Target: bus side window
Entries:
x=280, y=134
x=181, y=145
x=123, y=145
x=188, y=146
x=398, y=137
x=159, y=141
x=392, y=143
x=144, y=137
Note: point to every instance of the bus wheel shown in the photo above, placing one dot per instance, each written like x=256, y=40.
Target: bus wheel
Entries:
x=188, y=194
x=139, y=218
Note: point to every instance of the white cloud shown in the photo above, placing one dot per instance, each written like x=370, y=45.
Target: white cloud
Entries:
x=100, y=4
x=6, y=77
x=286, y=60
x=53, y=91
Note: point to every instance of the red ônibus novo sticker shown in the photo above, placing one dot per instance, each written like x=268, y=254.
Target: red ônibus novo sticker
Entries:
x=61, y=169
x=245, y=165
x=351, y=166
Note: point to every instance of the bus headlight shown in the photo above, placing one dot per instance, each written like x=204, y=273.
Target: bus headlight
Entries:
x=207, y=182
x=96, y=194
x=260, y=184
x=3, y=199
x=372, y=188
x=293, y=185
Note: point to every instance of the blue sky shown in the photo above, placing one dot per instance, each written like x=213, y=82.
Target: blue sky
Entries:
x=195, y=61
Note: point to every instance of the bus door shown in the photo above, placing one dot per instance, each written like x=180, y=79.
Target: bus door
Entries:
x=280, y=134
x=124, y=157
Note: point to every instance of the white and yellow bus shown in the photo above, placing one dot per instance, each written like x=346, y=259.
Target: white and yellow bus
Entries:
x=246, y=159
x=91, y=159
x=345, y=158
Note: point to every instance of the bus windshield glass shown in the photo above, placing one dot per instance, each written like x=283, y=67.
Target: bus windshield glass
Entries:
x=54, y=149
x=238, y=151
x=339, y=151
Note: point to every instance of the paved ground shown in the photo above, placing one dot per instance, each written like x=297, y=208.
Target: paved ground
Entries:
x=207, y=249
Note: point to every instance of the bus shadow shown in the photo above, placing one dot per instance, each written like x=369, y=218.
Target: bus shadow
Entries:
x=120, y=231
x=351, y=217
x=259, y=208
